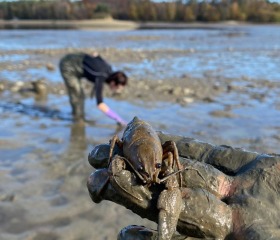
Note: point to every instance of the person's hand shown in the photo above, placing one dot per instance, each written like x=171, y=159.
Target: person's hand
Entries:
x=227, y=193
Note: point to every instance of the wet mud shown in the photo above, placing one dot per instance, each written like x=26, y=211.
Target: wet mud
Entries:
x=197, y=83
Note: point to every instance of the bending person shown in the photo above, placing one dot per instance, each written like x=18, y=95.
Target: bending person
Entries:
x=95, y=69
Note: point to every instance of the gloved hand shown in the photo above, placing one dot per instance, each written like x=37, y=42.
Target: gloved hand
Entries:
x=227, y=193
x=111, y=114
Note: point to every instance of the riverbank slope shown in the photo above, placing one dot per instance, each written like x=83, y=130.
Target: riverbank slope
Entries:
x=110, y=23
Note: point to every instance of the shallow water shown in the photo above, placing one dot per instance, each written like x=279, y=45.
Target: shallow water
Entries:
x=251, y=51
x=44, y=156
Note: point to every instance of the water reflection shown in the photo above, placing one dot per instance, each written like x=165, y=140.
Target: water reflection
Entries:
x=77, y=137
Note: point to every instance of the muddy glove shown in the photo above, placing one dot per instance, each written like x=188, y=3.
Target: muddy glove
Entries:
x=123, y=188
x=227, y=193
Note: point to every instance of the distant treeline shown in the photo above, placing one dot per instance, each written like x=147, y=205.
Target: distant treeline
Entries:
x=144, y=10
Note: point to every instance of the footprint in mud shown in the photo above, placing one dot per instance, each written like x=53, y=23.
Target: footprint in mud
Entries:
x=222, y=114
x=59, y=201
x=7, y=197
x=45, y=236
x=17, y=172
x=61, y=222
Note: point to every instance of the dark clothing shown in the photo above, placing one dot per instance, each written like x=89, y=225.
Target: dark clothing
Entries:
x=96, y=70
x=72, y=72
x=73, y=68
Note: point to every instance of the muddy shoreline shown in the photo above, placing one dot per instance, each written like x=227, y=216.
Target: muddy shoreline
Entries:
x=112, y=24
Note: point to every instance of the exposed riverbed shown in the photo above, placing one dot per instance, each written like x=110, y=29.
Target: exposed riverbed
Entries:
x=219, y=85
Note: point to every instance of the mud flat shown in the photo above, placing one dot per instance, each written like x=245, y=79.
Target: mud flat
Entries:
x=43, y=166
